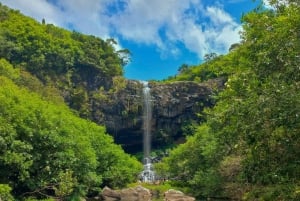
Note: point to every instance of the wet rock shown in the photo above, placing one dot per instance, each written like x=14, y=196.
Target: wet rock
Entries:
x=174, y=195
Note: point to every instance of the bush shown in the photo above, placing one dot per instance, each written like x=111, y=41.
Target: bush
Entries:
x=34, y=199
x=284, y=192
x=5, y=193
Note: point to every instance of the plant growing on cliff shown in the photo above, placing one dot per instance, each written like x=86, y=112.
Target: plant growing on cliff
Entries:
x=119, y=83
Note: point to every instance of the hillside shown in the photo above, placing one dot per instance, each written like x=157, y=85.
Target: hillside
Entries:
x=47, y=150
x=248, y=148
x=76, y=64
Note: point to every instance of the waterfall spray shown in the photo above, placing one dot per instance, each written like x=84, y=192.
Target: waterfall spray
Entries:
x=147, y=174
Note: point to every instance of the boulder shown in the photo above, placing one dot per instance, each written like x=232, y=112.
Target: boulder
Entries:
x=174, y=195
x=138, y=193
x=110, y=195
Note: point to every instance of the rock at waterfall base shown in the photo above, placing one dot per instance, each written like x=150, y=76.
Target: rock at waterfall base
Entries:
x=174, y=195
x=138, y=193
x=110, y=195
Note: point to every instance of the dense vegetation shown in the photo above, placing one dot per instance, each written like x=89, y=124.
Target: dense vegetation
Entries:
x=249, y=147
x=76, y=64
x=46, y=149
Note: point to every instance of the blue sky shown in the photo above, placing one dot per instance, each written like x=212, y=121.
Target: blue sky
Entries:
x=161, y=34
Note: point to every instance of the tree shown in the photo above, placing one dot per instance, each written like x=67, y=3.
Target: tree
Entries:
x=48, y=151
x=254, y=126
x=183, y=68
x=210, y=56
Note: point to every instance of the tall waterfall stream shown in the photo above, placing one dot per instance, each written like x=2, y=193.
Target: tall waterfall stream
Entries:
x=147, y=174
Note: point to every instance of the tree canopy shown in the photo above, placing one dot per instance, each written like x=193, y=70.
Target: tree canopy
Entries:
x=75, y=64
x=249, y=147
x=48, y=151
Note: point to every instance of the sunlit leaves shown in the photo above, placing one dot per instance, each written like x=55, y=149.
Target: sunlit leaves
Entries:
x=5, y=192
x=254, y=126
x=45, y=146
x=69, y=61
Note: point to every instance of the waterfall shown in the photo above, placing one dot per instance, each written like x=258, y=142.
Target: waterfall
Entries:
x=147, y=120
x=148, y=174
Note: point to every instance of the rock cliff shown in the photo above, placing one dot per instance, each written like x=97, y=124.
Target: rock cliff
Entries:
x=173, y=105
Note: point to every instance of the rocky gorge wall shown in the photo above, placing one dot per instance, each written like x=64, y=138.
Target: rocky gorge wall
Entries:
x=173, y=105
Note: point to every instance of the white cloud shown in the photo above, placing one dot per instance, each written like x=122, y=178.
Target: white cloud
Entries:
x=165, y=24
x=223, y=31
x=142, y=20
x=280, y=2
x=218, y=16
x=214, y=34
x=39, y=9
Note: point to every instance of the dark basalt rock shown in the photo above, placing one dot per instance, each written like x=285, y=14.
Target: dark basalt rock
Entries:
x=173, y=104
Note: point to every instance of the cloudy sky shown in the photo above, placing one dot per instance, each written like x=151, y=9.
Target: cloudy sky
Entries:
x=161, y=34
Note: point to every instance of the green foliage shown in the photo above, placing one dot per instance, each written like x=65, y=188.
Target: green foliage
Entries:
x=66, y=184
x=274, y=192
x=119, y=83
x=249, y=147
x=215, y=66
x=73, y=63
x=47, y=150
x=34, y=199
x=192, y=163
x=6, y=69
x=5, y=193
x=188, y=128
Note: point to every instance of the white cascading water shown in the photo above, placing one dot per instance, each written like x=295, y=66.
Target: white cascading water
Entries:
x=148, y=174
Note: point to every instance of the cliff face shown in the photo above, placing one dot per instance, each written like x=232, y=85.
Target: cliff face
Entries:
x=173, y=105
